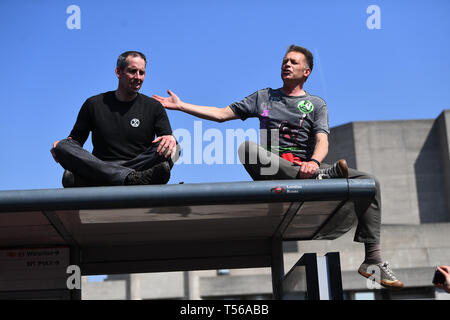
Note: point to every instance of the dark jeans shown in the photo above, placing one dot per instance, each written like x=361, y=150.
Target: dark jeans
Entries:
x=264, y=165
x=97, y=172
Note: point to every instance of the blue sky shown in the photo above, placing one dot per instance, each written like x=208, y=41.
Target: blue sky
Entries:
x=211, y=53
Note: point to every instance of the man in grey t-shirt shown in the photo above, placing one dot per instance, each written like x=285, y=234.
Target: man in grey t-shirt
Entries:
x=294, y=128
x=297, y=118
x=294, y=133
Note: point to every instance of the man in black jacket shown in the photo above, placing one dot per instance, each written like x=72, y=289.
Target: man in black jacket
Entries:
x=124, y=124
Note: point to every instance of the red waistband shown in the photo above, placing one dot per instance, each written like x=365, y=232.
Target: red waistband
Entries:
x=291, y=158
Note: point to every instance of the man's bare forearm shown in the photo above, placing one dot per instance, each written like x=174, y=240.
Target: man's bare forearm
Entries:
x=321, y=148
x=208, y=113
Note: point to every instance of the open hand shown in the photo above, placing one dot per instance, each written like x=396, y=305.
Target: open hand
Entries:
x=172, y=102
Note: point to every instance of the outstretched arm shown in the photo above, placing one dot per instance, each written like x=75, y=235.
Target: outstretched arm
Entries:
x=209, y=113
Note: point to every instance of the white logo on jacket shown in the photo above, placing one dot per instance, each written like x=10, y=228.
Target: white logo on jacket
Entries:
x=135, y=122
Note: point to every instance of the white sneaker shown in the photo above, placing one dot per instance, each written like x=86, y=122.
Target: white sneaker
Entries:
x=387, y=278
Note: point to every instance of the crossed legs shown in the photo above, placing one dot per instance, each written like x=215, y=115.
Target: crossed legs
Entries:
x=92, y=171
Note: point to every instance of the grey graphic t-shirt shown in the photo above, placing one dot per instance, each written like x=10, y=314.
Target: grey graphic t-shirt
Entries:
x=296, y=119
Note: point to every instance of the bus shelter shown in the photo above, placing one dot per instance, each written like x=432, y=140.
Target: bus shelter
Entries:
x=48, y=235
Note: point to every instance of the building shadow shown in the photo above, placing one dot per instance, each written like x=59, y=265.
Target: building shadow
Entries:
x=430, y=183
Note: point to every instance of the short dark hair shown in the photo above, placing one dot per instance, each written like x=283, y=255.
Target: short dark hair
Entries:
x=308, y=55
x=122, y=60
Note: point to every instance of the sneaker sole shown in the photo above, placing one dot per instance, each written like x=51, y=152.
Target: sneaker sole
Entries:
x=385, y=283
x=344, y=168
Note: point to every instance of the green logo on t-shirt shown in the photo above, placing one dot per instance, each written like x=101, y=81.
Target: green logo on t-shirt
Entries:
x=305, y=106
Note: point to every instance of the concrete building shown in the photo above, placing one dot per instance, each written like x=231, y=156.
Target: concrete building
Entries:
x=410, y=158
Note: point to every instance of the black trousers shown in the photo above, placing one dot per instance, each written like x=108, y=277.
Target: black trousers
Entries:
x=264, y=165
x=97, y=172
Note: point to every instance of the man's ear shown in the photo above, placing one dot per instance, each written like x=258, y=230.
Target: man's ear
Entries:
x=307, y=72
x=118, y=71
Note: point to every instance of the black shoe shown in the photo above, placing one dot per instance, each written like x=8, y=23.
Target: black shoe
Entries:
x=158, y=174
x=338, y=170
x=161, y=173
x=70, y=180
